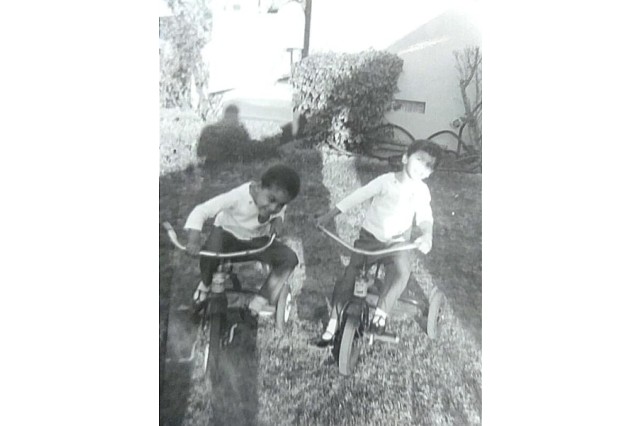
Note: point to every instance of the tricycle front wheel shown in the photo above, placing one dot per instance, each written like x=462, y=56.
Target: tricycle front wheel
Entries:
x=213, y=348
x=350, y=345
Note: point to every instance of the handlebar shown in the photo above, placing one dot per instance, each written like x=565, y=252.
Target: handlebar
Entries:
x=174, y=239
x=408, y=246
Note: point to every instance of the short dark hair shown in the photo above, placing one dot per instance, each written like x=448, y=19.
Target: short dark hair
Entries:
x=283, y=177
x=430, y=147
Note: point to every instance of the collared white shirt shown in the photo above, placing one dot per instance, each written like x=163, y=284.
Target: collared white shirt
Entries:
x=393, y=206
x=235, y=211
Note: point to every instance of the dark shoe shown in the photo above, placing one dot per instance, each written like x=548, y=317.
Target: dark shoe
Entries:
x=322, y=343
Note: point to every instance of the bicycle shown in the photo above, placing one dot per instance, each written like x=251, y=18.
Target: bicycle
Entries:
x=214, y=329
x=354, y=320
x=465, y=158
x=389, y=142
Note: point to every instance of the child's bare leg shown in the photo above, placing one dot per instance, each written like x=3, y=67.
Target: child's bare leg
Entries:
x=283, y=261
x=397, y=273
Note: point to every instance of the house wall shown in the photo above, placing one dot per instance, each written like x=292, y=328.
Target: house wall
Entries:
x=430, y=74
x=423, y=34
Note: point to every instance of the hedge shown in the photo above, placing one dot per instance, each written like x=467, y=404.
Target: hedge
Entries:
x=344, y=95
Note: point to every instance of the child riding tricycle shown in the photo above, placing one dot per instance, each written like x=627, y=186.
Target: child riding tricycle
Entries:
x=397, y=201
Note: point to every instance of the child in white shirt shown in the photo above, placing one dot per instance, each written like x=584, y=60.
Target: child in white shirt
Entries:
x=244, y=219
x=396, y=198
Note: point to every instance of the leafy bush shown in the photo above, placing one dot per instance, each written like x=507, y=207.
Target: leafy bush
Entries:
x=179, y=131
x=182, y=37
x=344, y=95
x=230, y=142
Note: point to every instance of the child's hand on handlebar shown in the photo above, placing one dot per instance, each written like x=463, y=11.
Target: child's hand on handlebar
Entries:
x=277, y=227
x=323, y=220
x=193, y=244
x=424, y=243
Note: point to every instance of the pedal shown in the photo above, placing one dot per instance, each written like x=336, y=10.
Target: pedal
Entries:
x=267, y=311
x=183, y=308
x=386, y=338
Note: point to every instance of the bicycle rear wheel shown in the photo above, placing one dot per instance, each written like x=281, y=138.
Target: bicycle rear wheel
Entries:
x=435, y=314
x=458, y=155
x=448, y=140
x=283, y=307
x=350, y=346
x=387, y=142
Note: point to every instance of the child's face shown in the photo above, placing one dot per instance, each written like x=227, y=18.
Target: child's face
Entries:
x=271, y=200
x=419, y=165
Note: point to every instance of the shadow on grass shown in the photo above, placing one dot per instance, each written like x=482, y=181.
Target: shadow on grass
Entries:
x=235, y=396
x=314, y=199
x=235, y=401
x=455, y=262
x=175, y=330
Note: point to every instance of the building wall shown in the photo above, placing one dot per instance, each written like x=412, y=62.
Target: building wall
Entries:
x=430, y=74
x=423, y=34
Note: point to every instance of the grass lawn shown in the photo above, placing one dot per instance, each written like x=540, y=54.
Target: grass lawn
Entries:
x=282, y=378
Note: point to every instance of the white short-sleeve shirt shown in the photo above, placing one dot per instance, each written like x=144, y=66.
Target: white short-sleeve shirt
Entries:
x=393, y=206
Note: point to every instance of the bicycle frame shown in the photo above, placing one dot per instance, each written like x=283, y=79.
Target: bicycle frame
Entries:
x=224, y=269
x=356, y=299
x=408, y=246
x=217, y=302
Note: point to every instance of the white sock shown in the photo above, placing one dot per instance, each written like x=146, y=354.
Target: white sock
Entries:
x=380, y=317
x=332, y=325
x=257, y=303
x=201, y=292
x=331, y=329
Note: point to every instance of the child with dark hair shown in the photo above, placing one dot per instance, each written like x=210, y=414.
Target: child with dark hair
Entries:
x=396, y=199
x=244, y=219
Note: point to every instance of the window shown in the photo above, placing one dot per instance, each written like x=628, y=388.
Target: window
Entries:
x=415, y=107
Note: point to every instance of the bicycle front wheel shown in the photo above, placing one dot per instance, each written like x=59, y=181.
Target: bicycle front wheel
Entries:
x=350, y=346
x=213, y=349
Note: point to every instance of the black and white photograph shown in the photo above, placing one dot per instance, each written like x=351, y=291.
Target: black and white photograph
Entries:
x=282, y=212
x=320, y=212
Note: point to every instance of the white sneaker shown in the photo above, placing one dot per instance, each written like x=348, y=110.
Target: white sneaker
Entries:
x=200, y=295
x=257, y=303
x=330, y=331
x=379, y=322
